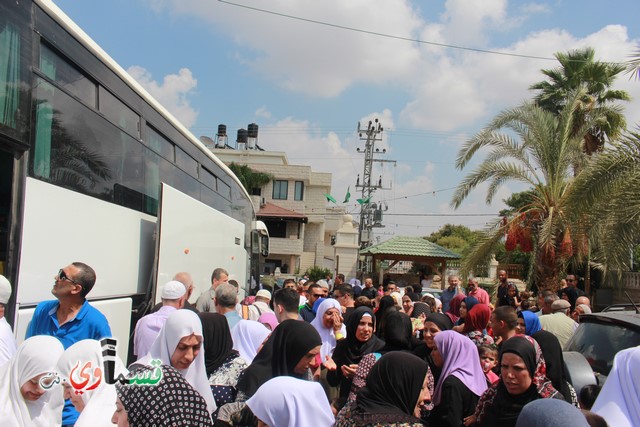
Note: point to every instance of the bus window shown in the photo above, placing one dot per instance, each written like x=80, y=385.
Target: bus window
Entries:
x=67, y=76
x=118, y=113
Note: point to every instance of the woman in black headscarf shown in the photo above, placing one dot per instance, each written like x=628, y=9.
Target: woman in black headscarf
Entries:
x=394, y=393
x=386, y=303
x=290, y=350
x=223, y=364
x=556, y=370
x=360, y=341
x=398, y=336
x=522, y=380
x=434, y=323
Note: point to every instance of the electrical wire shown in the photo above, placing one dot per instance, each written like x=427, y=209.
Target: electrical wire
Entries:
x=390, y=36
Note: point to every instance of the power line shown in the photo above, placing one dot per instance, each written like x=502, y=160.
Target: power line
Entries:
x=390, y=36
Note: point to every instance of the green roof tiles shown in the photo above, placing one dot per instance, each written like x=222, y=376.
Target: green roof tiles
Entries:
x=410, y=246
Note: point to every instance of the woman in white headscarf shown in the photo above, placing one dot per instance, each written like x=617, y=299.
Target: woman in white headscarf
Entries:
x=291, y=402
x=328, y=323
x=179, y=345
x=92, y=404
x=619, y=400
x=248, y=336
x=23, y=400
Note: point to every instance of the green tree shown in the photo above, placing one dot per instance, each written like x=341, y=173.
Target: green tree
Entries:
x=579, y=69
x=530, y=145
x=316, y=273
x=606, y=194
x=457, y=238
x=250, y=179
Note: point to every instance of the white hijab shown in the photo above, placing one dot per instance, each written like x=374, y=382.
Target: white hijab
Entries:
x=619, y=400
x=327, y=335
x=100, y=401
x=291, y=402
x=248, y=336
x=180, y=324
x=35, y=356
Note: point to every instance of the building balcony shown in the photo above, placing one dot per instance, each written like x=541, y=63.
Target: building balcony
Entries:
x=286, y=246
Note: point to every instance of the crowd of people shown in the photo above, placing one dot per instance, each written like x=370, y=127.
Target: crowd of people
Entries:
x=318, y=354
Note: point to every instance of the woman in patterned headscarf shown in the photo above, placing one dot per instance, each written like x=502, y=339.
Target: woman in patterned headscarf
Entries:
x=170, y=402
x=522, y=380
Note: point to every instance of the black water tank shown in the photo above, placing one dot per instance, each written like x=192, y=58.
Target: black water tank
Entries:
x=253, y=130
x=222, y=130
x=242, y=136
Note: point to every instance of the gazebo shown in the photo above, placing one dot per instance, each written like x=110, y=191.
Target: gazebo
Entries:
x=414, y=249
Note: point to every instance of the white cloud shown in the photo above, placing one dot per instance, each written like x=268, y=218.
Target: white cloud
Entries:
x=263, y=113
x=172, y=93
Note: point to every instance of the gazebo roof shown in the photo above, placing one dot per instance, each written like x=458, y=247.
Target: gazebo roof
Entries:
x=409, y=247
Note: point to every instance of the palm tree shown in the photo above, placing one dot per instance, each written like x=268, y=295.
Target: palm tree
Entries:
x=633, y=66
x=250, y=179
x=607, y=190
x=577, y=69
x=530, y=145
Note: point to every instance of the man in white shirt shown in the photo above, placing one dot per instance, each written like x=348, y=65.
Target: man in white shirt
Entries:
x=7, y=341
x=260, y=305
x=147, y=329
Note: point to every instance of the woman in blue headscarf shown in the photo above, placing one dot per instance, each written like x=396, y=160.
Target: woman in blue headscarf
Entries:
x=528, y=323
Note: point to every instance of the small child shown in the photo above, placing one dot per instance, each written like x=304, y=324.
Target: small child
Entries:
x=489, y=360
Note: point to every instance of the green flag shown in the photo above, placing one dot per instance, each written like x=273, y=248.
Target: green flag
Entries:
x=330, y=198
x=364, y=201
x=348, y=196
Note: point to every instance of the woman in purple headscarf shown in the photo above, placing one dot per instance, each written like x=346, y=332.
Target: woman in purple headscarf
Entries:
x=461, y=381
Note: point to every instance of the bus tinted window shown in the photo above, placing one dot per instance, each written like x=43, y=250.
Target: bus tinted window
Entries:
x=208, y=179
x=15, y=70
x=67, y=76
x=224, y=190
x=77, y=149
x=160, y=144
x=119, y=113
x=184, y=161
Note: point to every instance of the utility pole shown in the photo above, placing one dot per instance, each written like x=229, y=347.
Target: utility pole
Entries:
x=370, y=213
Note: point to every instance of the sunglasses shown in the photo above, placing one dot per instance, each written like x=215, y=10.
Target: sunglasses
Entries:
x=62, y=276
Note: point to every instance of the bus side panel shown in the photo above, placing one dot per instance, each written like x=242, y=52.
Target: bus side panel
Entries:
x=112, y=309
x=197, y=239
x=61, y=226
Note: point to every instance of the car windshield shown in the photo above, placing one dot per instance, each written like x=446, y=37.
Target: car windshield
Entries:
x=599, y=343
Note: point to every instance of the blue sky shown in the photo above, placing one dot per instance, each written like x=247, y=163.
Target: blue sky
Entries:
x=307, y=85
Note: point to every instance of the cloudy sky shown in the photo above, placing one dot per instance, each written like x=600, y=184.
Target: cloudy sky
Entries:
x=307, y=71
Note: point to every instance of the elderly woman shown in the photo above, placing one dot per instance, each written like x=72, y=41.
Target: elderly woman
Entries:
x=328, y=323
x=522, y=380
x=170, y=402
x=179, y=345
x=359, y=342
x=394, y=393
x=23, y=400
x=461, y=382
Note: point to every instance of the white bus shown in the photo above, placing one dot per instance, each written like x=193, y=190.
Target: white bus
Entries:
x=93, y=169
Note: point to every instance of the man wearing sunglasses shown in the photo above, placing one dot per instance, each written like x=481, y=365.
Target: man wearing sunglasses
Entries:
x=70, y=318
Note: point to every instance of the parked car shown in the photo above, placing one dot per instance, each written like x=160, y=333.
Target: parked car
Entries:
x=597, y=340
